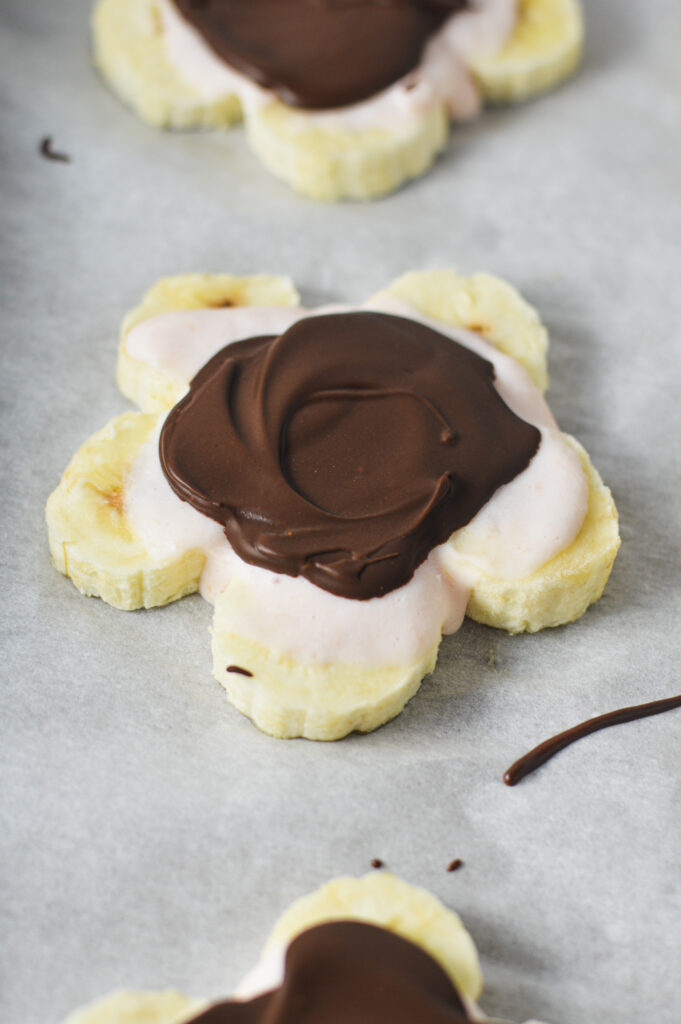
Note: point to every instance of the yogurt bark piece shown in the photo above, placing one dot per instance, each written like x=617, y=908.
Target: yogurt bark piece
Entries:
x=335, y=564
x=339, y=100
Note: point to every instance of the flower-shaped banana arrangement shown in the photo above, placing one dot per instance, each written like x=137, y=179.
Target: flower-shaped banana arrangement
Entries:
x=338, y=99
x=343, y=484
x=371, y=949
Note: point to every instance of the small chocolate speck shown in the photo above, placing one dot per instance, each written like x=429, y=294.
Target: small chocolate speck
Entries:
x=455, y=864
x=239, y=670
x=376, y=862
x=45, y=149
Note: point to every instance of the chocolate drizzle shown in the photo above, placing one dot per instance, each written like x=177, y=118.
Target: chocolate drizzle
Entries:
x=319, y=54
x=47, y=151
x=345, y=449
x=348, y=972
x=549, y=748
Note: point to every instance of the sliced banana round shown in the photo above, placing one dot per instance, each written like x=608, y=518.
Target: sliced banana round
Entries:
x=139, y=1008
x=90, y=536
x=129, y=52
x=288, y=698
x=155, y=389
x=329, y=164
x=545, y=48
x=562, y=589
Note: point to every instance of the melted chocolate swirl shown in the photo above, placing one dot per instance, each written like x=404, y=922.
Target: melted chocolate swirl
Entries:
x=345, y=449
x=348, y=972
x=319, y=54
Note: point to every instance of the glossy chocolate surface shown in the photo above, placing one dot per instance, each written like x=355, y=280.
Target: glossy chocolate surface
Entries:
x=348, y=972
x=319, y=54
x=344, y=450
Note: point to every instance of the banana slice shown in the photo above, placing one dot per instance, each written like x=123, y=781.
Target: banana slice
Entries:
x=562, y=589
x=545, y=48
x=287, y=698
x=90, y=537
x=318, y=160
x=93, y=541
x=129, y=52
x=156, y=390
x=380, y=899
x=328, y=164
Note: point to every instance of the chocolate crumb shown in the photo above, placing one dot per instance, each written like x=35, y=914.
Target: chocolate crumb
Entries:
x=45, y=149
x=239, y=670
x=455, y=864
x=376, y=862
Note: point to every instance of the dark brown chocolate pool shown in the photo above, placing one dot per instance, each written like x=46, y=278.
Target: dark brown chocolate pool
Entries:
x=319, y=54
x=348, y=972
x=345, y=449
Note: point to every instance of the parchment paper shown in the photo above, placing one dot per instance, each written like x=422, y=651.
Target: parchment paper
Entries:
x=150, y=834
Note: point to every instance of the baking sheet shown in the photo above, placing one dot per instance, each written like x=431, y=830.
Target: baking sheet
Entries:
x=150, y=834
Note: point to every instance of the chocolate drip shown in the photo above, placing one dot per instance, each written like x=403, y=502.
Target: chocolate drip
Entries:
x=319, y=54
x=348, y=972
x=549, y=748
x=345, y=449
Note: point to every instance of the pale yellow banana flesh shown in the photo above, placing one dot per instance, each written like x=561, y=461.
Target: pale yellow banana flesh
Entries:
x=90, y=537
x=561, y=590
x=543, y=51
x=129, y=52
x=380, y=899
x=286, y=698
x=322, y=162
x=151, y=389
x=92, y=541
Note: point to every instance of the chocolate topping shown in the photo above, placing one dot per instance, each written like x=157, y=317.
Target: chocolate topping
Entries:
x=319, y=54
x=345, y=449
x=549, y=748
x=348, y=972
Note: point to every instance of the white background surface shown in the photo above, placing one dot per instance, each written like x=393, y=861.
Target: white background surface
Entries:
x=150, y=834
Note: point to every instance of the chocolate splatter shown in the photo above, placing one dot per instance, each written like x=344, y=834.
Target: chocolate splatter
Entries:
x=45, y=149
